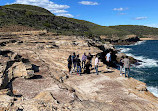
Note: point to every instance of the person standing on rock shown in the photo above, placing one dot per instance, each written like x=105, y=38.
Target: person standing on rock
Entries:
x=121, y=65
x=69, y=63
x=87, y=66
x=96, y=64
x=84, y=57
x=78, y=62
x=108, y=60
x=126, y=66
x=74, y=61
x=89, y=57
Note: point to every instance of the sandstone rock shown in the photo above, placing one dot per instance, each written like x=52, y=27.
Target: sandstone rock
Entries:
x=28, y=66
x=119, y=55
x=1, y=68
x=89, y=92
x=1, y=75
x=141, y=87
x=30, y=73
x=19, y=69
x=12, y=57
x=6, y=100
x=44, y=96
x=108, y=46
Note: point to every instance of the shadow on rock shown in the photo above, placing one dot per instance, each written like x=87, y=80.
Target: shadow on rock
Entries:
x=36, y=77
x=108, y=72
x=35, y=68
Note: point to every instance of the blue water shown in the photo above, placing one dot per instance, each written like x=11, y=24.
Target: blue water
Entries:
x=147, y=71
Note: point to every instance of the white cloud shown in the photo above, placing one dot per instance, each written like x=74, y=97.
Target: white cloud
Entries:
x=47, y=4
x=59, y=11
x=140, y=18
x=120, y=9
x=88, y=3
x=122, y=13
x=152, y=25
x=65, y=15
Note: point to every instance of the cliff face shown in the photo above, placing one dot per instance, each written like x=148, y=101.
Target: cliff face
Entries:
x=50, y=87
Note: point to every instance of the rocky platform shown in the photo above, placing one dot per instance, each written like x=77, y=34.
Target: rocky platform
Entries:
x=35, y=68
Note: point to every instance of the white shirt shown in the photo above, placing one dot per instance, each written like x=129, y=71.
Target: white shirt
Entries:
x=96, y=61
x=108, y=57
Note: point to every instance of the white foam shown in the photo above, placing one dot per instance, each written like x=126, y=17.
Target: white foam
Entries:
x=153, y=90
x=146, y=62
x=136, y=71
x=137, y=43
x=124, y=49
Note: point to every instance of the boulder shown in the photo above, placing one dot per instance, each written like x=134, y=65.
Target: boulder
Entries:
x=108, y=46
x=6, y=100
x=1, y=74
x=19, y=69
x=119, y=55
x=141, y=87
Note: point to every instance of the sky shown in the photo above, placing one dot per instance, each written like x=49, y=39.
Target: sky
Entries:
x=101, y=12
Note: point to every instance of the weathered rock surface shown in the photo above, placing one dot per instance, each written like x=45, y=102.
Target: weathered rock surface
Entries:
x=13, y=66
x=49, y=87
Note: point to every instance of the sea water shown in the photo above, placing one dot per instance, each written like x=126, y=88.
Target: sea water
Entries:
x=147, y=71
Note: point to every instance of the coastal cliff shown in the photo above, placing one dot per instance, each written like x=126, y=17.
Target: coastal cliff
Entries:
x=34, y=77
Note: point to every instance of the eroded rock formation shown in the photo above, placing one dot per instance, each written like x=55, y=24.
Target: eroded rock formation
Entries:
x=34, y=77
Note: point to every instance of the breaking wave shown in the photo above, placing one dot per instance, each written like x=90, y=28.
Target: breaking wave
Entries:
x=124, y=49
x=137, y=43
x=154, y=90
x=145, y=62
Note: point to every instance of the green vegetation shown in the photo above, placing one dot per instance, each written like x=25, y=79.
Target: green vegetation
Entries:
x=99, y=30
x=40, y=18
x=29, y=9
x=138, y=30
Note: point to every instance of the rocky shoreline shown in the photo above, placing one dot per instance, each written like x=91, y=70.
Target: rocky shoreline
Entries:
x=34, y=77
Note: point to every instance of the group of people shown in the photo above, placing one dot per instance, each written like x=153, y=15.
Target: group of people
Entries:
x=84, y=65
x=124, y=64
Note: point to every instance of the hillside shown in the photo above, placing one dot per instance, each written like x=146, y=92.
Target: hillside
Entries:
x=40, y=18
x=140, y=31
x=100, y=30
x=37, y=17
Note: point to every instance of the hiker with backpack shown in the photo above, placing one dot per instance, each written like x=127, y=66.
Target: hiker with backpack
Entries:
x=96, y=64
x=126, y=66
x=89, y=57
x=84, y=58
x=108, y=60
x=69, y=64
x=74, y=61
x=87, y=66
x=78, y=62
x=121, y=65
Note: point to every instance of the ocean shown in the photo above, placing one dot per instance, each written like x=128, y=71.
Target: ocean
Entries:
x=147, y=71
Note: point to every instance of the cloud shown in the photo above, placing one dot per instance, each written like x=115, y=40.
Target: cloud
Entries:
x=49, y=5
x=122, y=13
x=152, y=25
x=120, y=9
x=88, y=3
x=140, y=18
x=65, y=15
